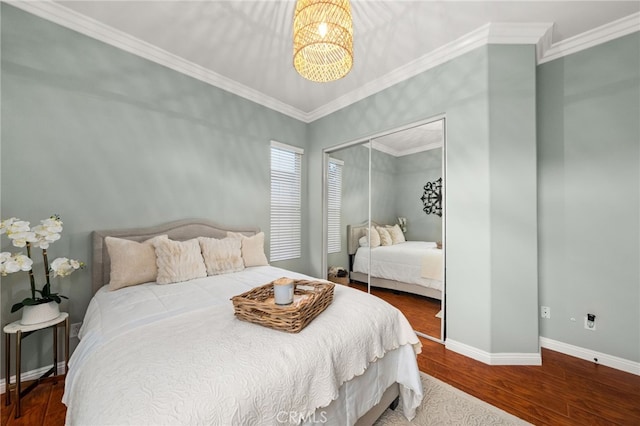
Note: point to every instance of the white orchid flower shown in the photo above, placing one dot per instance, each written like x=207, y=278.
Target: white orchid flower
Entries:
x=13, y=263
x=52, y=224
x=45, y=236
x=63, y=267
x=24, y=262
x=5, y=224
x=75, y=264
x=20, y=239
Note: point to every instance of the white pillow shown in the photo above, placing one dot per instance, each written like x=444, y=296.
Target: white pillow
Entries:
x=252, y=249
x=397, y=236
x=385, y=238
x=221, y=256
x=363, y=242
x=132, y=263
x=375, y=237
x=178, y=261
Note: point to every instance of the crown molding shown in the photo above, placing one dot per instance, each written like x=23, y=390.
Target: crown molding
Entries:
x=492, y=33
x=616, y=29
x=539, y=34
x=61, y=15
x=401, y=153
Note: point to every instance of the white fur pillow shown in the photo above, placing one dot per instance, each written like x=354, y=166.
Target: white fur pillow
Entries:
x=397, y=236
x=385, y=238
x=252, y=249
x=221, y=256
x=132, y=263
x=178, y=261
x=374, y=238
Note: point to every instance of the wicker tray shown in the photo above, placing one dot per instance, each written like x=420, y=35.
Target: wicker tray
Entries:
x=309, y=299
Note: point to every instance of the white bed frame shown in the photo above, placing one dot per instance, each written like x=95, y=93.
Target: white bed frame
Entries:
x=354, y=233
x=192, y=228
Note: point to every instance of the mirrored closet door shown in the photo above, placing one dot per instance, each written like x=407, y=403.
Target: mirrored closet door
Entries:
x=391, y=220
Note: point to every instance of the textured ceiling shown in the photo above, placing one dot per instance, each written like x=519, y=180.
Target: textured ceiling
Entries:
x=249, y=42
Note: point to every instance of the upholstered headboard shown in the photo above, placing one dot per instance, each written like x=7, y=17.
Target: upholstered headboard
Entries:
x=354, y=233
x=180, y=230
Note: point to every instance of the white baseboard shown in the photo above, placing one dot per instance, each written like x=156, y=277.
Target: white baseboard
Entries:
x=501, y=358
x=591, y=355
x=29, y=375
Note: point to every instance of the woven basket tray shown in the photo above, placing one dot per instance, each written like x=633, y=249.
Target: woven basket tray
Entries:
x=310, y=298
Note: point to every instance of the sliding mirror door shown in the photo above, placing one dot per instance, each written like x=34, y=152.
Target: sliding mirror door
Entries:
x=347, y=211
x=391, y=187
x=407, y=269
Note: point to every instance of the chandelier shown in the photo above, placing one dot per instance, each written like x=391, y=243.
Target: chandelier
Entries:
x=322, y=39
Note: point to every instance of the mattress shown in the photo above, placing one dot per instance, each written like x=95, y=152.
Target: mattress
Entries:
x=175, y=354
x=404, y=262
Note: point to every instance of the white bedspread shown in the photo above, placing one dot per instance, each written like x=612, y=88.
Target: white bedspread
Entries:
x=175, y=354
x=403, y=262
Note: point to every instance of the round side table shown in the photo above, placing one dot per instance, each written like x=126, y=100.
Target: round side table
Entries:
x=21, y=332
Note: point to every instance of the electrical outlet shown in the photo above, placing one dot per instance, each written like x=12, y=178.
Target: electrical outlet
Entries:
x=590, y=324
x=74, y=329
x=545, y=312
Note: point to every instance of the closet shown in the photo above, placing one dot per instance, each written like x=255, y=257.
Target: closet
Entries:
x=384, y=215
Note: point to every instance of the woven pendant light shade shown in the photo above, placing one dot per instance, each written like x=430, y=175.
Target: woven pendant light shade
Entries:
x=322, y=39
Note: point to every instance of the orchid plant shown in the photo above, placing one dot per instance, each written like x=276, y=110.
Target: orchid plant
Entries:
x=41, y=236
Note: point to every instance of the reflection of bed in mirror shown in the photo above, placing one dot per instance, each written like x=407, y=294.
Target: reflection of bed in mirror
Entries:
x=413, y=266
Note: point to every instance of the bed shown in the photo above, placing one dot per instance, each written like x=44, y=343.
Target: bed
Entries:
x=175, y=353
x=413, y=266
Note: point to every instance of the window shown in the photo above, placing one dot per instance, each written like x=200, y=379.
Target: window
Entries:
x=286, y=195
x=334, y=205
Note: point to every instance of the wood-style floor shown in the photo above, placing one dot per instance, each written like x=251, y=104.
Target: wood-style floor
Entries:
x=420, y=311
x=563, y=391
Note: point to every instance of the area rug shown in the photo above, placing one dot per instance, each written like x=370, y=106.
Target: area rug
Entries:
x=445, y=405
x=439, y=314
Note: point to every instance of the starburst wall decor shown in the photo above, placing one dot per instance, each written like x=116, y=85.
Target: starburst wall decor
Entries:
x=432, y=197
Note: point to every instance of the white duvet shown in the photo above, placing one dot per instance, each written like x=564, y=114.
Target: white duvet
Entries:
x=176, y=354
x=407, y=262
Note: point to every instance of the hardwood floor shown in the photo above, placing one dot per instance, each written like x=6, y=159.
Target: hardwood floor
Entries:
x=420, y=311
x=563, y=391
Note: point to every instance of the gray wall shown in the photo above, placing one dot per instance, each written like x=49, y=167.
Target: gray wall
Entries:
x=513, y=199
x=107, y=139
x=589, y=196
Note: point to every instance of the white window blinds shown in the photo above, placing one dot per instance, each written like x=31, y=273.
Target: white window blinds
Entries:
x=286, y=195
x=334, y=205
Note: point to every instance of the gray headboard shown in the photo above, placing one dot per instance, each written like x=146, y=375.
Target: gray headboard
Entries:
x=354, y=233
x=180, y=230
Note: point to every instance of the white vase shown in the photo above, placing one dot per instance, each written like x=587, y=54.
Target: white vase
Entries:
x=34, y=314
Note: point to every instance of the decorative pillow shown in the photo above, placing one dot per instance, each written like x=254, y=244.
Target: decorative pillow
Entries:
x=397, y=236
x=363, y=242
x=385, y=238
x=221, y=256
x=375, y=237
x=252, y=249
x=132, y=263
x=178, y=261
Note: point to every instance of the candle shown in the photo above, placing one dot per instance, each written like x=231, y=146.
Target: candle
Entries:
x=283, y=291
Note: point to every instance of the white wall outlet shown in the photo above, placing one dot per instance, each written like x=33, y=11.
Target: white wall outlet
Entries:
x=74, y=329
x=545, y=312
x=589, y=325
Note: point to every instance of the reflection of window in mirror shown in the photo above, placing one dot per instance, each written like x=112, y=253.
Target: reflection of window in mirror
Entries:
x=334, y=205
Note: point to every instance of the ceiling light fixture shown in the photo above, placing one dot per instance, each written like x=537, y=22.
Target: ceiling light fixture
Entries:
x=322, y=39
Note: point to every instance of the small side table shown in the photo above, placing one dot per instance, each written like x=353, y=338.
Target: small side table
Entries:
x=22, y=331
